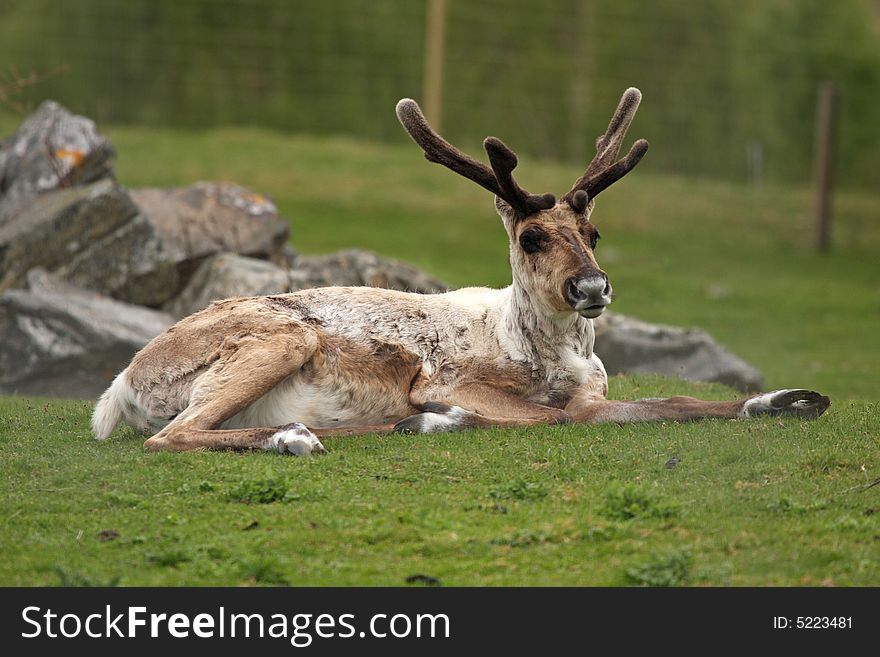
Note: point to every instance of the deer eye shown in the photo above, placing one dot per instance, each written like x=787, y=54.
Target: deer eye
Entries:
x=594, y=239
x=533, y=240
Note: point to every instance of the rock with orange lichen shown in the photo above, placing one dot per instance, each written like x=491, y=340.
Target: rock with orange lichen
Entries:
x=214, y=217
x=62, y=209
x=52, y=149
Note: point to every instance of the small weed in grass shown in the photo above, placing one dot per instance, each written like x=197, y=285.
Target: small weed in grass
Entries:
x=72, y=578
x=491, y=508
x=788, y=506
x=201, y=487
x=523, y=539
x=216, y=553
x=599, y=534
x=258, y=491
x=262, y=570
x=849, y=523
x=628, y=501
x=117, y=498
x=169, y=559
x=672, y=569
x=518, y=489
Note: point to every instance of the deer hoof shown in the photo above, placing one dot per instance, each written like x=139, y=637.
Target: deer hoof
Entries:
x=437, y=418
x=296, y=439
x=800, y=403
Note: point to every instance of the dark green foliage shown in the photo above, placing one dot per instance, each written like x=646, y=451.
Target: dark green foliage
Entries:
x=263, y=569
x=672, y=569
x=170, y=559
x=258, y=491
x=628, y=501
x=67, y=578
x=519, y=490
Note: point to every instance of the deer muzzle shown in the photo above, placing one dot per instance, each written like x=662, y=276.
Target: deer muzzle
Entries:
x=588, y=295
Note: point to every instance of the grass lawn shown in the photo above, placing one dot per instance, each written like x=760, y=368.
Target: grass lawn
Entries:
x=749, y=503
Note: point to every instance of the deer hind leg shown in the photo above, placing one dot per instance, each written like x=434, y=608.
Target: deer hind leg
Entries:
x=247, y=368
x=798, y=403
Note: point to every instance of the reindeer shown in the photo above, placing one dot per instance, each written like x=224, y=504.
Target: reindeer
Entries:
x=281, y=372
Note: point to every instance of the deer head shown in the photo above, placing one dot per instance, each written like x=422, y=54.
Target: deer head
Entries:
x=552, y=243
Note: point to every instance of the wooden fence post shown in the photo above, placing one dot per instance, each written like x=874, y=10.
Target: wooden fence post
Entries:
x=435, y=45
x=826, y=137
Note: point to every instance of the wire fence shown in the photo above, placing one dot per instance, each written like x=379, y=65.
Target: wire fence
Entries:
x=729, y=85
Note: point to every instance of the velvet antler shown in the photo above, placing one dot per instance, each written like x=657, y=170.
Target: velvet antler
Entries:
x=603, y=171
x=498, y=180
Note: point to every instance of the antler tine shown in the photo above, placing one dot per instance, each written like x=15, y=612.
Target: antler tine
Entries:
x=498, y=179
x=440, y=151
x=503, y=162
x=608, y=145
x=602, y=170
x=616, y=171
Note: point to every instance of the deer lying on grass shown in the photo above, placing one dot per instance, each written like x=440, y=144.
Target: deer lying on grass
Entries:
x=280, y=372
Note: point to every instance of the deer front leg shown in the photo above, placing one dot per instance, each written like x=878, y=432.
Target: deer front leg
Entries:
x=502, y=409
x=799, y=403
x=472, y=405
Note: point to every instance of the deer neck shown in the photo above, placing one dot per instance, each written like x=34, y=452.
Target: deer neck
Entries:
x=539, y=336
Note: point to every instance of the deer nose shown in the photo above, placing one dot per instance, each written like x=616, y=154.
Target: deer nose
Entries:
x=589, y=295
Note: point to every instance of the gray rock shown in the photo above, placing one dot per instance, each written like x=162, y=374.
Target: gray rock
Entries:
x=129, y=264
x=60, y=340
x=52, y=149
x=228, y=275
x=630, y=346
x=208, y=218
x=93, y=237
x=289, y=256
x=59, y=225
x=357, y=267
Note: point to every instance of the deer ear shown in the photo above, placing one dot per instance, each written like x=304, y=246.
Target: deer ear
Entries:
x=508, y=215
x=578, y=201
x=504, y=208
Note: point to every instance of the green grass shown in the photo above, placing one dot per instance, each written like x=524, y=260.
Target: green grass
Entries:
x=750, y=503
